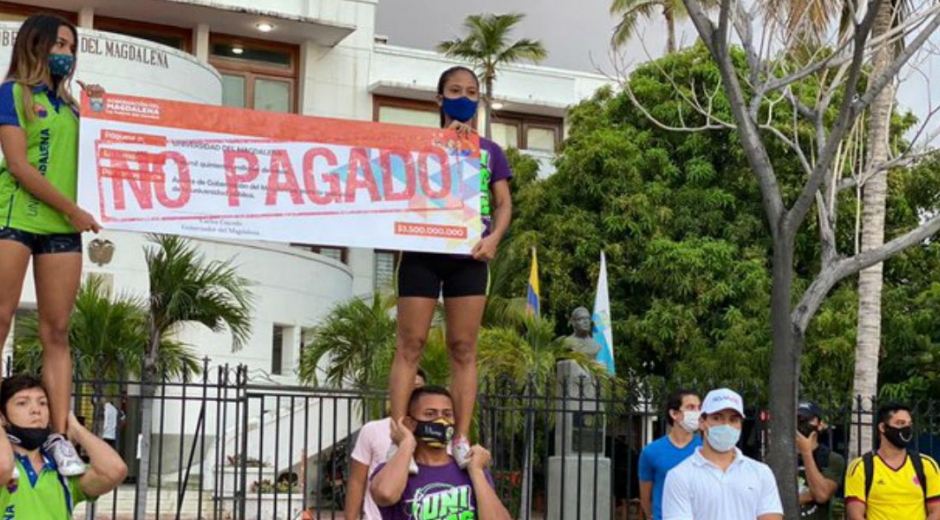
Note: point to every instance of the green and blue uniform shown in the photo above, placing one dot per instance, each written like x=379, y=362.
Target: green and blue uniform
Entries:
x=52, y=148
x=44, y=495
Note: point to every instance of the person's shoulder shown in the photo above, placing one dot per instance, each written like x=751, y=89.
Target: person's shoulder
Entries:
x=929, y=461
x=856, y=464
x=378, y=425
x=491, y=146
x=761, y=468
x=688, y=466
x=836, y=457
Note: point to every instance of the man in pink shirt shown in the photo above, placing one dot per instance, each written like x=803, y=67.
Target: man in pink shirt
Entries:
x=371, y=450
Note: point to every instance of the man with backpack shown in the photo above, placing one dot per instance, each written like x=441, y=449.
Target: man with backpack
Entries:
x=893, y=483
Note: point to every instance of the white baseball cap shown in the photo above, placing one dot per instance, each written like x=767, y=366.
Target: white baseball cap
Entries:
x=723, y=399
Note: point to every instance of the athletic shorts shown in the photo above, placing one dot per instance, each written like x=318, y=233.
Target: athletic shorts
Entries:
x=44, y=244
x=428, y=275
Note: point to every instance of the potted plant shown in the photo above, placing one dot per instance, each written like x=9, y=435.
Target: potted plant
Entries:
x=273, y=500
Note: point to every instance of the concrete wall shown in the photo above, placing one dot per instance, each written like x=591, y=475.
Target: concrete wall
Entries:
x=131, y=66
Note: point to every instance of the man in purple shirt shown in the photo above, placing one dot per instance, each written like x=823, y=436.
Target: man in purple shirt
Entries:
x=440, y=489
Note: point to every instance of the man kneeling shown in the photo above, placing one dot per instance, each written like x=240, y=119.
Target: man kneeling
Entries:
x=37, y=491
x=440, y=489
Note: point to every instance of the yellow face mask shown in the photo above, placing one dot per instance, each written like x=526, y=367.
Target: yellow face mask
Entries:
x=436, y=433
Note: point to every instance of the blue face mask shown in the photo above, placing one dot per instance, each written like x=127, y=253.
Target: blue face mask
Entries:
x=723, y=438
x=60, y=65
x=459, y=109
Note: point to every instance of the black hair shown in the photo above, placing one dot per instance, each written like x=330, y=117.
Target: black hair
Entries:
x=427, y=390
x=446, y=75
x=16, y=384
x=887, y=411
x=674, y=402
x=423, y=375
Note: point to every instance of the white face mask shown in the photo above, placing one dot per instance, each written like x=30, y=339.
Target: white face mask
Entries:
x=690, y=421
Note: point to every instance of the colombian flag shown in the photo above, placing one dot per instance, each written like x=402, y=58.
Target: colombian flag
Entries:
x=532, y=304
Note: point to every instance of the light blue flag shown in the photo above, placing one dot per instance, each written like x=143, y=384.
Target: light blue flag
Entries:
x=603, y=334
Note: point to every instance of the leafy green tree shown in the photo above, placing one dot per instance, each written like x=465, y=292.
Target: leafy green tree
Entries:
x=680, y=219
x=487, y=48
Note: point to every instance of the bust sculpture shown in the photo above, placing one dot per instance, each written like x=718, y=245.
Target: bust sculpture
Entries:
x=581, y=339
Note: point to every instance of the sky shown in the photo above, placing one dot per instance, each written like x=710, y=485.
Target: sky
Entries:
x=576, y=33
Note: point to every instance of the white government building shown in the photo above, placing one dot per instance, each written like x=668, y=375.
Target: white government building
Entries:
x=311, y=57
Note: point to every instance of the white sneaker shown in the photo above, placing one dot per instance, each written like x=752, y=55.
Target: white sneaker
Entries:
x=412, y=465
x=460, y=447
x=65, y=456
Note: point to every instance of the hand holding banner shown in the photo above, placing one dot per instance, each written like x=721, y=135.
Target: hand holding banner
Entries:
x=170, y=167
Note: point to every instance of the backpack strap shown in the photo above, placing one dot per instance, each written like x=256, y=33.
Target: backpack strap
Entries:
x=918, y=462
x=868, y=460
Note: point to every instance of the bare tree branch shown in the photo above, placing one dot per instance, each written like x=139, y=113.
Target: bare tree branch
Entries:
x=848, y=111
x=876, y=85
x=817, y=291
x=750, y=134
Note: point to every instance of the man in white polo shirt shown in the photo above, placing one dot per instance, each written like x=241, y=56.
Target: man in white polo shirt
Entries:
x=718, y=482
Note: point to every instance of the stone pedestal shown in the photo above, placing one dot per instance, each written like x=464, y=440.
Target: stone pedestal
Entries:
x=595, y=490
x=579, y=419
x=578, y=467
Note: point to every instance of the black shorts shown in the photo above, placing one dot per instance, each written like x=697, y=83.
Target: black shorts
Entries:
x=44, y=244
x=428, y=275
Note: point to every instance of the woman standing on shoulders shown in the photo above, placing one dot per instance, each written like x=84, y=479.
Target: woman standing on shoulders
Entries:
x=463, y=280
x=39, y=218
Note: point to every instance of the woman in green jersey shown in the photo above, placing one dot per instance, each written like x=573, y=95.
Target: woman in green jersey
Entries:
x=39, y=218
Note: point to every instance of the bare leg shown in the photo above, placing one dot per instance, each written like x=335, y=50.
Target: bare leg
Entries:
x=414, y=320
x=14, y=259
x=58, y=276
x=463, y=316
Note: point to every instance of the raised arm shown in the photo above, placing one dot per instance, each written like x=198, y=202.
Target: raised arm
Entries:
x=107, y=469
x=389, y=483
x=489, y=507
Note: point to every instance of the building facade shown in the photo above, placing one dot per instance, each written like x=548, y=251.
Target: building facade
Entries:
x=310, y=57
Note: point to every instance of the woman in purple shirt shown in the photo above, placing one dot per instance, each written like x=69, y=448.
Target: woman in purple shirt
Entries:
x=463, y=280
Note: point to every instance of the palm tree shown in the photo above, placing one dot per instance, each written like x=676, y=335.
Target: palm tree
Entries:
x=630, y=12
x=357, y=340
x=185, y=288
x=486, y=46
x=874, y=209
x=355, y=337
x=108, y=336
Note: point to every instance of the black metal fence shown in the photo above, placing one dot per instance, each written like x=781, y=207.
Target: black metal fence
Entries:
x=234, y=446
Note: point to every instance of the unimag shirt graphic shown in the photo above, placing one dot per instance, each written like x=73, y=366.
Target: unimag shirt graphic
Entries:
x=441, y=501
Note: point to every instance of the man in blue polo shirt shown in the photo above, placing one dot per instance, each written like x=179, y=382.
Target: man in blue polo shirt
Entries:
x=683, y=410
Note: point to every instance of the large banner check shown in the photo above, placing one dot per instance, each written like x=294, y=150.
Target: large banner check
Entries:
x=169, y=167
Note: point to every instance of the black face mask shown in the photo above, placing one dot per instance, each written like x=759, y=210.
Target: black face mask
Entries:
x=436, y=434
x=28, y=438
x=806, y=428
x=900, y=437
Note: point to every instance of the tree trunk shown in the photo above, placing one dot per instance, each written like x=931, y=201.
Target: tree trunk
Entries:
x=784, y=378
x=874, y=195
x=670, y=17
x=488, y=126
x=97, y=421
x=148, y=388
